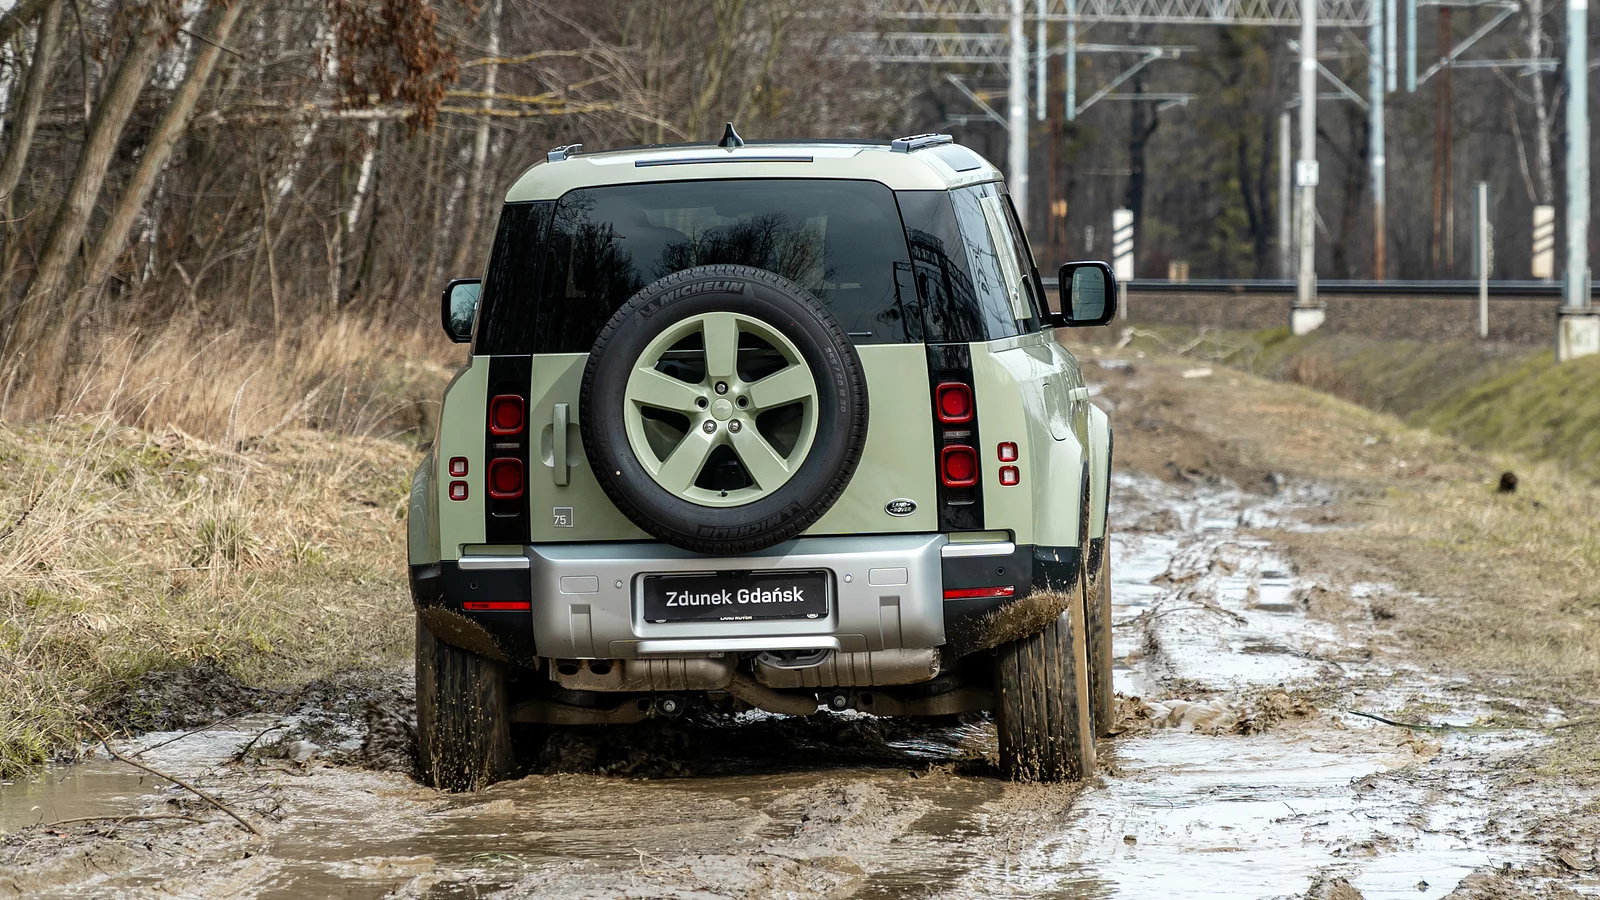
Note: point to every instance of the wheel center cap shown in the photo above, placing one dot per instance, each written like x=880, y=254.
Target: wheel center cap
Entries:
x=721, y=409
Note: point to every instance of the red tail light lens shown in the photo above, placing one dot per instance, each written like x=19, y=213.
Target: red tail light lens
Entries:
x=954, y=402
x=982, y=593
x=497, y=605
x=505, y=414
x=458, y=467
x=505, y=479
x=1007, y=452
x=958, y=466
x=1010, y=476
x=458, y=490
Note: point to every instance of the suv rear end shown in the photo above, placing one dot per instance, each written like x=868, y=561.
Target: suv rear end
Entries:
x=770, y=426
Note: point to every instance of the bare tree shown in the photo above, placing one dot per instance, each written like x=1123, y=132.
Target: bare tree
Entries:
x=159, y=146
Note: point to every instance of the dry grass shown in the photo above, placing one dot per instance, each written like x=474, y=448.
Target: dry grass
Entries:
x=346, y=375
x=179, y=514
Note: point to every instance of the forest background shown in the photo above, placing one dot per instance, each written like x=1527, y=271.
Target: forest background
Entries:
x=195, y=193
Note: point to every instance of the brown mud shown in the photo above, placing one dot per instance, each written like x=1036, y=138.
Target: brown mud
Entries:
x=1246, y=765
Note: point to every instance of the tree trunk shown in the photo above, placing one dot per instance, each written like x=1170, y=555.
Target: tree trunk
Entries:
x=45, y=291
x=15, y=19
x=158, y=149
x=1145, y=120
x=26, y=119
x=24, y=124
x=480, y=150
x=1544, y=170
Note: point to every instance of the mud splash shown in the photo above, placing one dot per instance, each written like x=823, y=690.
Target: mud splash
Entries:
x=1241, y=773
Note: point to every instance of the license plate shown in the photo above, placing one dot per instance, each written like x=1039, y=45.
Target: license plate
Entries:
x=733, y=596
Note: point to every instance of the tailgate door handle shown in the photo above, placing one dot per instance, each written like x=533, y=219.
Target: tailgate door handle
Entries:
x=559, y=444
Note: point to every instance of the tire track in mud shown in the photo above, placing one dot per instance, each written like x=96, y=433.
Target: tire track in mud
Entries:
x=1227, y=781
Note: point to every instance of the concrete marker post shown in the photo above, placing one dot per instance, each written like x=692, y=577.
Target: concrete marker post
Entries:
x=1122, y=254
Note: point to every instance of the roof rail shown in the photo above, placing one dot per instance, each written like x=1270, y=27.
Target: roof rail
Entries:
x=919, y=141
x=563, y=152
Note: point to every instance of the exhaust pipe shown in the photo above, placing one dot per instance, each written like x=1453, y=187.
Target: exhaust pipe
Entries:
x=747, y=689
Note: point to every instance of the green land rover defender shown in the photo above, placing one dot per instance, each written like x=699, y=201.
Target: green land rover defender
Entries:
x=777, y=426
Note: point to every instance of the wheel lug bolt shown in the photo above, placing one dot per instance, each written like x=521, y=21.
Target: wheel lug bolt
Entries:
x=710, y=426
x=722, y=387
x=734, y=426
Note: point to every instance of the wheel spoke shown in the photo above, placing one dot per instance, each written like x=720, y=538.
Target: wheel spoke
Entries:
x=682, y=466
x=652, y=387
x=721, y=332
x=783, y=387
x=762, y=462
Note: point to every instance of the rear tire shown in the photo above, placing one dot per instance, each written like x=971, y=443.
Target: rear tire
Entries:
x=1041, y=704
x=463, y=716
x=1103, y=698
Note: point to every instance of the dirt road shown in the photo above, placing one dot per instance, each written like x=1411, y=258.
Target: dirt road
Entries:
x=1250, y=765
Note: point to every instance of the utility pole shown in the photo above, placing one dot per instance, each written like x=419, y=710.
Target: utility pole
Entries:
x=1577, y=323
x=1041, y=61
x=1285, y=196
x=1307, y=313
x=1017, y=107
x=1375, y=79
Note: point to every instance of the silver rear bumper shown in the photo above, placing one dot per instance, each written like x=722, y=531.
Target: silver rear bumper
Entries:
x=886, y=594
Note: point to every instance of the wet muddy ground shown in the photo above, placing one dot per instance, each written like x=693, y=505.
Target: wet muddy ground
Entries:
x=1248, y=766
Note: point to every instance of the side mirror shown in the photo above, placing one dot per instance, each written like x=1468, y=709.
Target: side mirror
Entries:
x=458, y=308
x=1088, y=294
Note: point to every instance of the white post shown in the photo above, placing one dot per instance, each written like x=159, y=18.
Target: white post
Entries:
x=1544, y=243
x=1485, y=259
x=1577, y=323
x=1017, y=148
x=1041, y=62
x=1122, y=253
x=1285, y=196
x=1307, y=314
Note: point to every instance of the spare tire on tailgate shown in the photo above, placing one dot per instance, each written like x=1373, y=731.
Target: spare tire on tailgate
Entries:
x=723, y=409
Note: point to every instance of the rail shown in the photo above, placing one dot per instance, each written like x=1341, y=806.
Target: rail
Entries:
x=1464, y=288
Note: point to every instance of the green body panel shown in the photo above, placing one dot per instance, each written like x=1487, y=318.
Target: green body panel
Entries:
x=898, y=461
x=422, y=523
x=897, y=385
x=1023, y=393
x=1099, y=469
x=461, y=433
x=558, y=378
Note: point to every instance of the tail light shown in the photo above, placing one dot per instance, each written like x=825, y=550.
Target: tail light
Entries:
x=505, y=478
x=458, y=467
x=458, y=490
x=954, y=402
x=497, y=605
x=958, y=466
x=505, y=414
x=1010, y=476
x=1007, y=451
x=981, y=593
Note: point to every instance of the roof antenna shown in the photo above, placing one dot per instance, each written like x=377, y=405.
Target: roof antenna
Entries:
x=730, y=138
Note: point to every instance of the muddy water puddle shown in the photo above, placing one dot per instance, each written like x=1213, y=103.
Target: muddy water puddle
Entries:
x=1242, y=774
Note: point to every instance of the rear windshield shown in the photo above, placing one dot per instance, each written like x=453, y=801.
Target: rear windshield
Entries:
x=841, y=240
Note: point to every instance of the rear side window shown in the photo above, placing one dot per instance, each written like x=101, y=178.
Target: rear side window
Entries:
x=972, y=270
x=841, y=240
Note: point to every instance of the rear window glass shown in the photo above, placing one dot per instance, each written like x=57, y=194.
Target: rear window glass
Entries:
x=971, y=271
x=841, y=240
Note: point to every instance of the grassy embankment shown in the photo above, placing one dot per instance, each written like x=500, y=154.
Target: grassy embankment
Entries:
x=1495, y=397
x=234, y=507
x=1501, y=587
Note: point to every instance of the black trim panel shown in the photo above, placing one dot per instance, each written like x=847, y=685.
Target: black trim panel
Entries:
x=960, y=509
x=444, y=586
x=506, y=521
